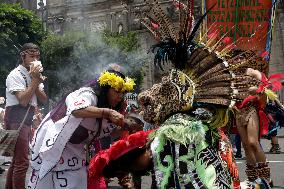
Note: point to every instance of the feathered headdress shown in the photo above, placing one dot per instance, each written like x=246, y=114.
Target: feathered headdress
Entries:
x=210, y=65
x=208, y=69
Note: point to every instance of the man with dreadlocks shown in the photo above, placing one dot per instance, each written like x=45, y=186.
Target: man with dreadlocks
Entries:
x=191, y=103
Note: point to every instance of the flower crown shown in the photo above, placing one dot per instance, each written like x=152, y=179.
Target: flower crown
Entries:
x=116, y=82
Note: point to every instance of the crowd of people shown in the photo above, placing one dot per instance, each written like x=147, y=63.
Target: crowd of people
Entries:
x=177, y=134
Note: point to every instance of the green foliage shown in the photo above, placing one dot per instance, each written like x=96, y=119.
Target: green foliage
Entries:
x=17, y=26
x=125, y=42
x=57, y=54
x=57, y=50
x=74, y=58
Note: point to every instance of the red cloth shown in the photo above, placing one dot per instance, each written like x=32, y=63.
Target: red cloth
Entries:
x=263, y=119
x=97, y=183
x=227, y=155
x=119, y=148
x=263, y=123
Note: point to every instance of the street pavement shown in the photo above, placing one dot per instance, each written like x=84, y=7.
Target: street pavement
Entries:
x=276, y=164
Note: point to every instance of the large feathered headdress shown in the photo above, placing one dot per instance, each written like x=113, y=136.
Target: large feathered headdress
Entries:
x=209, y=65
x=208, y=70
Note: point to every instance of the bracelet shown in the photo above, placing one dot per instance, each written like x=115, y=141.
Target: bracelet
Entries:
x=105, y=115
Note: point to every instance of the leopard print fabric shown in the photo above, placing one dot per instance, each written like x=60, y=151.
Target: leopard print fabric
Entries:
x=245, y=114
x=256, y=63
x=174, y=94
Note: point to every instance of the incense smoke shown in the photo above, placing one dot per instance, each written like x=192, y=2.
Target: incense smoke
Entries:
x=88, y=59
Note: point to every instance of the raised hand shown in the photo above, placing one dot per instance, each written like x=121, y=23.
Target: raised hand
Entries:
x=35, y=73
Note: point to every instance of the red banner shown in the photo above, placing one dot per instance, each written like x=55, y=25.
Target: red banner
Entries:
x=247, y=22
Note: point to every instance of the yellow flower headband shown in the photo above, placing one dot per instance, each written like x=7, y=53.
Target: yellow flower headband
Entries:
x=116, y=82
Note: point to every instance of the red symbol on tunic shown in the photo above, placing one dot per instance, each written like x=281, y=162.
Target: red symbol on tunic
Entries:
x=78, y=103
x=61, y=161
x=34, y=176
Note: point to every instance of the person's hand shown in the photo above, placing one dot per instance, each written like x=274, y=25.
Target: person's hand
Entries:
x=116, y=118
x=37, y=120
x=132, y=124
x=135, y=128
x=35, y=73
x=254, y=73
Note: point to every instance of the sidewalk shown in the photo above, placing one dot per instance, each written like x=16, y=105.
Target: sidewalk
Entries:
x=3, y=175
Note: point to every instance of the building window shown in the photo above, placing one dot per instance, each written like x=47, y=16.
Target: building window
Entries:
x=120, y=28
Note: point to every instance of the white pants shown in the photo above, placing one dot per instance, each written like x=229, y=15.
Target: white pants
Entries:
x=60, y=179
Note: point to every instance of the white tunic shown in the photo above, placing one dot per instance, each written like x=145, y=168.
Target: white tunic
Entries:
x=17, y=80
x=52, y=154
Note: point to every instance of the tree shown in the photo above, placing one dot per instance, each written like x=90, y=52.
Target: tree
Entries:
x=17, y=26
x=125, y=42
x=129, y=46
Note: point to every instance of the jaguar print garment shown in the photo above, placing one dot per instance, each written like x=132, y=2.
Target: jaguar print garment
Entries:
x=174, y=94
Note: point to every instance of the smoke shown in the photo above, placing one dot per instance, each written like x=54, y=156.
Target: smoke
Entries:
x=88, y=58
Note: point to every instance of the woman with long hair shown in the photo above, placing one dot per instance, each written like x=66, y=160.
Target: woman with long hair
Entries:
x=59, y=150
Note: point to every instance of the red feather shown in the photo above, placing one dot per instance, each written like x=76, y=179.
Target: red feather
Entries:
x=264, y=79
x=261, y=88
x=276, y=76
x=276, y=86
x=247, y=100
x=119, y=148
x=264, y=54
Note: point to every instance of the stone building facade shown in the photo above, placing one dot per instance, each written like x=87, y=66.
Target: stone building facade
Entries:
x=95, y=15
x=27, y=4
x=276, y=64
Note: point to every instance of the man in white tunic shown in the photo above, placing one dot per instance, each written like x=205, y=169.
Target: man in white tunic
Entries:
x=24, y=88
x=59, y=146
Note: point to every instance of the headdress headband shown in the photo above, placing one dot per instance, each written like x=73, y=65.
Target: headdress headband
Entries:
x=35, y=52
